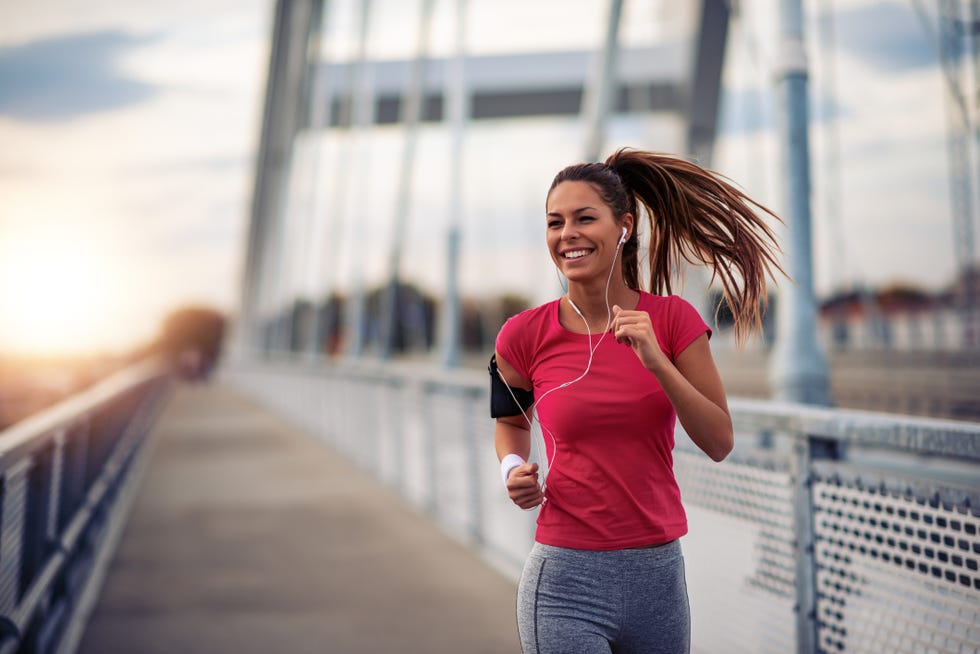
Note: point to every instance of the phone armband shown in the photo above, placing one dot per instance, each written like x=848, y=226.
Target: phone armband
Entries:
x=506, y=400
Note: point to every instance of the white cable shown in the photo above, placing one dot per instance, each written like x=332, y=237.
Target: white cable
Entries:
x=588, y=367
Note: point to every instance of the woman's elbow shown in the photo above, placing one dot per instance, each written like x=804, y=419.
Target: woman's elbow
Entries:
x=719, y=454
x=721, y=447
x=715, y=438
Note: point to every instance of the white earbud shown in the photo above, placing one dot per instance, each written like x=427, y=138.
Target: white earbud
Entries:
x=622, y=239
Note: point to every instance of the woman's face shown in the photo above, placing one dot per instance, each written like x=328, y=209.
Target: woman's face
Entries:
x=582, y=233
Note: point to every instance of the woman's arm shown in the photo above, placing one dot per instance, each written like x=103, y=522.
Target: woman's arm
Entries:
x=512, y=435
x=695, y=389
x=691, y=382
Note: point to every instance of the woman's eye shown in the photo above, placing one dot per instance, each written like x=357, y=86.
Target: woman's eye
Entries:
x=554, y=223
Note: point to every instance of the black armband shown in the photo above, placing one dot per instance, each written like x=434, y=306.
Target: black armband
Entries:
x=506, y=400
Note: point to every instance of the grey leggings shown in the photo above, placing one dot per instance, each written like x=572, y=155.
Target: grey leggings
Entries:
x=587, y=602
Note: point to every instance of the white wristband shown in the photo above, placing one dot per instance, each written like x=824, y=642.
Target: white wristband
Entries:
x=508, y=463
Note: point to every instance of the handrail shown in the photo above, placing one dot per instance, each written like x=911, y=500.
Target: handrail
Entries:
x=61, y=472
x=24, y=433
x=914, y=434
x=929, y=436
x=818, y=516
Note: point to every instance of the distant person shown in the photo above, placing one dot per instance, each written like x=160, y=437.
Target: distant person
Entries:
x=605, y=369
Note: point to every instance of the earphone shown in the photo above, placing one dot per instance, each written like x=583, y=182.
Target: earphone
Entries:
x=622, y=239
x=588, y=366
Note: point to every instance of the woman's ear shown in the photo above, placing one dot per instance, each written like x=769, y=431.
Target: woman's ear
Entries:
x=628, y=224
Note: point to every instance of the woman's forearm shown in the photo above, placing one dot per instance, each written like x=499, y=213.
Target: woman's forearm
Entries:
x=708, y=425
x=694, y=388
x=512, y=438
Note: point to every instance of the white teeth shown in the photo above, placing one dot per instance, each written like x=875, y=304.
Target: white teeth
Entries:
x=576, y=254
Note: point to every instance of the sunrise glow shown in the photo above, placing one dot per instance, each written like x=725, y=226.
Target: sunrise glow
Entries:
x=56, y=290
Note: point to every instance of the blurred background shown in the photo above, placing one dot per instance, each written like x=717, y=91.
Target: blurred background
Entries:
x=131, y=137
x=131, y=134
x=128, y=135
x=315, y=194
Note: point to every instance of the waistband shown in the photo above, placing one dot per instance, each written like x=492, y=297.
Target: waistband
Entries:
x=667, y=550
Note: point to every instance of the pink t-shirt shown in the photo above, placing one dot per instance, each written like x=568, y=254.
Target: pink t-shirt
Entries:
x=611, y=485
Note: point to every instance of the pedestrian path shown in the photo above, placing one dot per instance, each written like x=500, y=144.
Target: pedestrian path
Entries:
x=249, y=536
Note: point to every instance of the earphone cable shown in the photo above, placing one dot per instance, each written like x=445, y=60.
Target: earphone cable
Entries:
x=588, y=367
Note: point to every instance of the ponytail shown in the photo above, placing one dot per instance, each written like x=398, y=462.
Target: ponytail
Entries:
x=694, y=214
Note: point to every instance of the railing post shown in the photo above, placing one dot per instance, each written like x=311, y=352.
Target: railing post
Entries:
x=398, y=443
x=429, y=450
x=471, y=408
x=56, y=483
x=36, y=544
x=809, y=448
x=806, y=578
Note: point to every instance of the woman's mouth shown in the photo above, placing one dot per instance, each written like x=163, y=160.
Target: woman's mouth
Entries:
x=575, y=255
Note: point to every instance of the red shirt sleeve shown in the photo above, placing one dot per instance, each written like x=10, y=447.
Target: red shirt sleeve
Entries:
x=684, y=325
x=512, y=348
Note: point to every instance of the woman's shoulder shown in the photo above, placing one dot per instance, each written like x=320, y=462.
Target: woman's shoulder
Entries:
x=528, y=321
x=651, y=302
x=534, y=314
x=676, y=320
x=669, y=302
x=670, y=309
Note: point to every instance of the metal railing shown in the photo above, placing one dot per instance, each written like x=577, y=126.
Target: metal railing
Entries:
x=61, y=475
x=824, y=531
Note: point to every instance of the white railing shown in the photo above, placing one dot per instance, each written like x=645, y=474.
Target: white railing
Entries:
x=825, y=530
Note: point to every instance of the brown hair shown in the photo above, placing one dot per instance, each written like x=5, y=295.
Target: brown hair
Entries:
x=694, y=214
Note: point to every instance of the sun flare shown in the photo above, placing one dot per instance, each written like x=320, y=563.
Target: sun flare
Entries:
x=55, y=290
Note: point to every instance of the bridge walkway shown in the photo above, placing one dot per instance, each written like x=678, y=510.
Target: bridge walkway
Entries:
x=249, y=536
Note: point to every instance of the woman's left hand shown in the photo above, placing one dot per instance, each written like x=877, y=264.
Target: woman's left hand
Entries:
x=634, y=328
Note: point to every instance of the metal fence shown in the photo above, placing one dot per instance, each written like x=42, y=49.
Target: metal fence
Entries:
x=824, y=531
x=62, y=472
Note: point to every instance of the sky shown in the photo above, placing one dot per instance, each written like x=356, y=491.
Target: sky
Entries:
x=881, y=193
x=129, y=130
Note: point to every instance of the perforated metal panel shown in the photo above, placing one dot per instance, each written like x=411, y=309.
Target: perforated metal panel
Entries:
x=895, y=573
x=739, y=553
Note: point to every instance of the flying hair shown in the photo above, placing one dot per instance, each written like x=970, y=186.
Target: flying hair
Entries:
x=695, y=215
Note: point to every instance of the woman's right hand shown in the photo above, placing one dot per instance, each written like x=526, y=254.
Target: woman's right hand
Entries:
x=523, y=487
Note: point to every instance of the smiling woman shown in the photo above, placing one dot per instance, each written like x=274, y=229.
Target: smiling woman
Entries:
x=56, y=291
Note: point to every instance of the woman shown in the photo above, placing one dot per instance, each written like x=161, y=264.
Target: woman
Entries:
x=606, y=368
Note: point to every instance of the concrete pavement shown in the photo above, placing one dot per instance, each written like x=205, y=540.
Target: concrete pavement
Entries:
x=249, y=536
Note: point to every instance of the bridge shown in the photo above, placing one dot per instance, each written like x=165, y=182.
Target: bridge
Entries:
x=334, y=487
x=358, y=508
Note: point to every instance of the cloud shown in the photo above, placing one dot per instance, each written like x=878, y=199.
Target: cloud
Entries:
x=64, y=77
x=886, y=35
